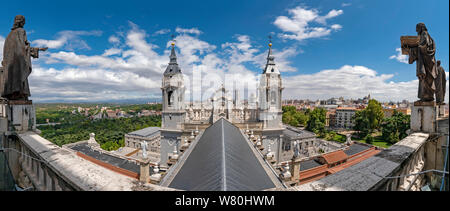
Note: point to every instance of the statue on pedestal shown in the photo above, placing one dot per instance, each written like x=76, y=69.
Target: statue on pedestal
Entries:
x=16, y=63
x=421, y=49
x=441, y=83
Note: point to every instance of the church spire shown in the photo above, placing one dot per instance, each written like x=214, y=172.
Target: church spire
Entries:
x=270, y=66
x=270, y=57
x=172, y=68
x=173, y=56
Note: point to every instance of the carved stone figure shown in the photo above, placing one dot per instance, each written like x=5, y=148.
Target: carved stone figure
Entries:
x=16, y=63
x=441, y=82
x=423, y=54
x=144, y=149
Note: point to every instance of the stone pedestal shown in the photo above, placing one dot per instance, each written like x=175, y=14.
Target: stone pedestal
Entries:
x=144, y=172
x=20, y=115
x=424, y=117
x=441, y=110
x=295, y=172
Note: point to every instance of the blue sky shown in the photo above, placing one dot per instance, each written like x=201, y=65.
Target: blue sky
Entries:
x=324, y=48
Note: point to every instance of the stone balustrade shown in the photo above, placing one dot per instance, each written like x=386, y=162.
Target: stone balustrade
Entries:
x=387, y=170
x=38, y=164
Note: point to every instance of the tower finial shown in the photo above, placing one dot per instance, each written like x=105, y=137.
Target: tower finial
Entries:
x=270, y=41
x=173, y=56
x=173, y=40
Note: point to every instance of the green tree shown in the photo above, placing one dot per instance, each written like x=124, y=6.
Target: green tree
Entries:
x=293, y=117
x=369, y=119
x=394, y=128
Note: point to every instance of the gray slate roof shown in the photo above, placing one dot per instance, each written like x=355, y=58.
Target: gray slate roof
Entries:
x=115, y=161
x=297, y=134
x=222, y=160
x=173, y=67
x=146, y=132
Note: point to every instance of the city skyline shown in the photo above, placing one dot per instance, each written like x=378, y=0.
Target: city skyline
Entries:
x=118, y=53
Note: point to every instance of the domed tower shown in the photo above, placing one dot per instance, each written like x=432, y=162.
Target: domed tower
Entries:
x=173, y=112
x=270, y=92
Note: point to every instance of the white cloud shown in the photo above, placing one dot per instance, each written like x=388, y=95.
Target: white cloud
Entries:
x=333, y=13
x=188, y=31
x=133, y=69
x=336, y=27
x=113, y=39
x=299, y=25
x=112, y=51
x=399, y=57
x=350, y=82
x=346, y=4
x=162, y=31
x=69, y=39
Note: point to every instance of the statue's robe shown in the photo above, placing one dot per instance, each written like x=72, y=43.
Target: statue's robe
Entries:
x=16, y=65
x=423, y=54
x=441, y=83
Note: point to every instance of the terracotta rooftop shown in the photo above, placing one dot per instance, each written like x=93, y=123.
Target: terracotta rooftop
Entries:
x=334, y=157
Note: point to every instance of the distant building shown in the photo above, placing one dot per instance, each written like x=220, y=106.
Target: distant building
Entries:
x=111, y=114
x=344, y=117
x=331, y=118
x=388, y=112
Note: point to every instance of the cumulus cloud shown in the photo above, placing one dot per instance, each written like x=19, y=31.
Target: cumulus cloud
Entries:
x=399, y=57
x=69, y=39
x=350, y=82
x=300, y=25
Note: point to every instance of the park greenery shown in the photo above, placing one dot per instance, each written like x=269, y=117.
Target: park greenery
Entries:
x=313, y=121
x=371, y=125
x=109, y=133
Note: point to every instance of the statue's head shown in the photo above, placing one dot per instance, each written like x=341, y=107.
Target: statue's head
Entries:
x=438, y=62
x=19, y=21
x=420, y=27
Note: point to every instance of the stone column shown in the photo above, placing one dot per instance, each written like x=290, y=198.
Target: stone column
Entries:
x=295, y=170
x=424, y=117
x=144, y=172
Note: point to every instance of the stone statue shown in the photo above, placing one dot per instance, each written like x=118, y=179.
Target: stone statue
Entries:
x=441, y=83
x=423, y=54
x=144, y=149
x=16, y=63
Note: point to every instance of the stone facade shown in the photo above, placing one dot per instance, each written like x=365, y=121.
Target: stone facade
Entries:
x=262, y=114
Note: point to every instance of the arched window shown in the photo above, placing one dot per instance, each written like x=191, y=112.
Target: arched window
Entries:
x=169, y=98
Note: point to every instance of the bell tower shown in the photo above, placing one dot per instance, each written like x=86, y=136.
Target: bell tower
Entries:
x=173, y=112
x=172, y=94
x=270, y=92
